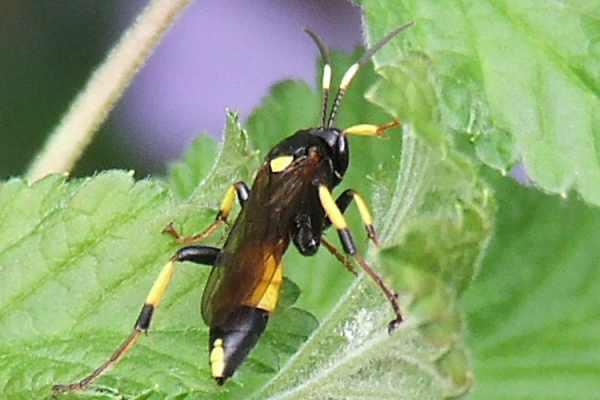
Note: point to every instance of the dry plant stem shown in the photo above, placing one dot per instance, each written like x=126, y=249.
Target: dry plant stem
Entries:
x=106, y=85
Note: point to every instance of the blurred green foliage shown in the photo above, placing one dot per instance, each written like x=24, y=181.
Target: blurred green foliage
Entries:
x=47, y=53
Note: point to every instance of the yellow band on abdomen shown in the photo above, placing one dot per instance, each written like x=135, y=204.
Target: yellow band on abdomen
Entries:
x=217, y=359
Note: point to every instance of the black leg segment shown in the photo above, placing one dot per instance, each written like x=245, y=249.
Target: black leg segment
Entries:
x=305, y=237
x=205, y=255
x=243, y=192
x=347, y=241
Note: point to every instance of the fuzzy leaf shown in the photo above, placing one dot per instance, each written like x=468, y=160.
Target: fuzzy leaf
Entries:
x=516, y=80
x=203, y=188
x=76, y=261
x=534, y=311
x=199, y=159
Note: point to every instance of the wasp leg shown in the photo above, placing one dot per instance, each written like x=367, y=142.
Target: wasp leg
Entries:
x=338, y=221
x=239, y=188
x=371, y=130
x=196, y=254
x=341, y=258
x=344, y=200
x=305, y=238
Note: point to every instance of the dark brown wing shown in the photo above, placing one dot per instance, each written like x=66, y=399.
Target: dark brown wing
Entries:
x=241, y=278
x=252, y=254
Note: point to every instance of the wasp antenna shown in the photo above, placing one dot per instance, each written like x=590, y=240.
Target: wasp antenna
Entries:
x=354, y=68
x=326, y=71
x=370, y=52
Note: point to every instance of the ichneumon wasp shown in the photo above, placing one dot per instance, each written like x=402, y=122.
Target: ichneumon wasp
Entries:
x=290, y=201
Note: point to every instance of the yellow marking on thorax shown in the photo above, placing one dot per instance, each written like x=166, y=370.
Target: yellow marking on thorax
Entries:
x=217, y=359
x=280, y=163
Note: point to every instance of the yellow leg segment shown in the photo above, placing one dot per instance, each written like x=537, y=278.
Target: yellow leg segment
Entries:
x=227, y=203
x=240, y=189
x=370, y=130
x=366, y=217
x=344, y=201
x=161, y=284
x=332, y=210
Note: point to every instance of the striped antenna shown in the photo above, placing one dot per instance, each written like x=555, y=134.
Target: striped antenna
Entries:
x=354, y=68
x=326, y=72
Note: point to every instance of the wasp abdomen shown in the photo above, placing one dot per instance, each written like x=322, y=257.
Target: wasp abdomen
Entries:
x=230, y=343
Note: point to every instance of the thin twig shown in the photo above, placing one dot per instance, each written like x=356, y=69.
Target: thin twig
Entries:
x=106, y=85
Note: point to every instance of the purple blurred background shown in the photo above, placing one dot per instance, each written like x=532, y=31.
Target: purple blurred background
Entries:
x=225, y=54
x=219, y=54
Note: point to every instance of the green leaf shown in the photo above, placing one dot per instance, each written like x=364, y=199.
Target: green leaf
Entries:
x=76, y=261
x=516, y=81
x=199, y=159
x=533, y=313
x=236, y=161
x=203, y=188
x=273, y=120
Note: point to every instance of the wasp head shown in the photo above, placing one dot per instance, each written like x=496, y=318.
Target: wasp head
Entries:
x=328, y=145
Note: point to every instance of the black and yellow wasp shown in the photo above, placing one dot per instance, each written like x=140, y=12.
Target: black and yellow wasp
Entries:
x=290, y=201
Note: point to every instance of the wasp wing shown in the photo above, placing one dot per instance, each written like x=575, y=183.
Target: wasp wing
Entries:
x=250, y=262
